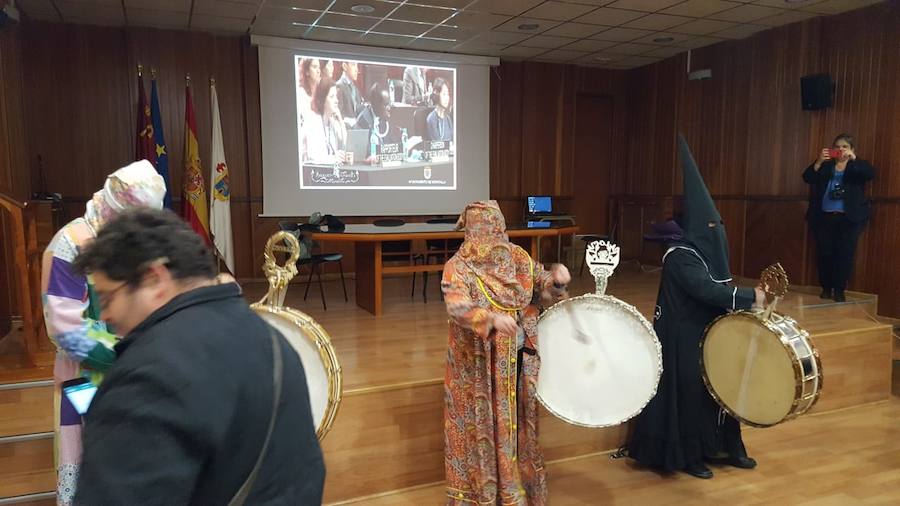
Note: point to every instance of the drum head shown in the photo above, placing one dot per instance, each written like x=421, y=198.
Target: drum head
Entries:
x=313, y=345
x=748, y=369
x=600, y=361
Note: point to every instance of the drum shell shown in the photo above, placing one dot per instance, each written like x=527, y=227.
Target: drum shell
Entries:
x=309, y=331
x=805, y=364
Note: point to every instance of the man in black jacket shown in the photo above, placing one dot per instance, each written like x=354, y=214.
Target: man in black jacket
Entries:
x=837, y=212
x=183, y=414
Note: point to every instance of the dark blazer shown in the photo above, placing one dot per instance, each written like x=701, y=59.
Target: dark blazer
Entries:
x=350, y=100
x=856, y=206
x=181, y=416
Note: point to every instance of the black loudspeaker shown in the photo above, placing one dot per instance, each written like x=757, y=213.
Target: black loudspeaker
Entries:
x=816, y=91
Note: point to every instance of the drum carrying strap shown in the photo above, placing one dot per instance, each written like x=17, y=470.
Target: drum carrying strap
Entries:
x=241, y=495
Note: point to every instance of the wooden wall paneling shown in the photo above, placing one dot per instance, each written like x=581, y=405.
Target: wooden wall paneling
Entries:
x=775, y=232
x=14, y=178
x=642, y=98
x=857, y=74
x=734, y=214
x=883, y=149
x=631, y=216
x=712, y=115
x=253, y=141
x=543, y=96
x=669, y=88
x=879, y=259
x=507, y=113
x=79, y=120
x=592, y=145
x=778, y=140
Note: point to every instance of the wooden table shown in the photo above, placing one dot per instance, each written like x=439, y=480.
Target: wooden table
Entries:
x=367, y=240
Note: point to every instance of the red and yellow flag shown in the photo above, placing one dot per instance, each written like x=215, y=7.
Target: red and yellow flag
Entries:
x=193, y=189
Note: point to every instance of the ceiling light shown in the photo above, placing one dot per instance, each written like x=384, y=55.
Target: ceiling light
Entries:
x=663, y=40
x=794, y=1
x=602, y=58
x=362, y=9
x=528, y=26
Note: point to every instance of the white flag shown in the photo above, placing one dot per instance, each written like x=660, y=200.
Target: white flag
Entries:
x=220, y=192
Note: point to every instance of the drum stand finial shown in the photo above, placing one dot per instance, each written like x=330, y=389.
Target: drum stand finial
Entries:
x=774, y=282
x=602, y=260
x=279, y=275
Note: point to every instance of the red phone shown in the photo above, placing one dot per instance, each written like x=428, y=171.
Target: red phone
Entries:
x=835, y=153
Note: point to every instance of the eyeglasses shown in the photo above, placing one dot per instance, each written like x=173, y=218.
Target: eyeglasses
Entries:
x=107, y=298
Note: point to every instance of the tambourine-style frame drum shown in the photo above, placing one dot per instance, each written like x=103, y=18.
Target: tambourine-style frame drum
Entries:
x=760, y=366
x=311, y=342
x=600, y=358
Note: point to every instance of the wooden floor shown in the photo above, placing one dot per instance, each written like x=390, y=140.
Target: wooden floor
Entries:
x=388, y=432
x=408, y=343
x=838, y=458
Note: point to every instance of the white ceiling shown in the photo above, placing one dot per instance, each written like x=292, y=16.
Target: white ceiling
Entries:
x=602, y=33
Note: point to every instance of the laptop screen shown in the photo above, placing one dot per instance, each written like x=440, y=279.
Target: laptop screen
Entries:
x=539, y=204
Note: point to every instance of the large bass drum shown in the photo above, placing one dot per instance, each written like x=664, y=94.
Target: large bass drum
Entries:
x=313, y=346
x=308, y=338
x=600, y=358
x=761, y=370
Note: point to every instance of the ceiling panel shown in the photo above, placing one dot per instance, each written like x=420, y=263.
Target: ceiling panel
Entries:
x=746, y=13
x=644, y=5
x=577, y=30
x=620, y=34
x=658, y=22
x=564, y=30
x=219, y=23
x=609, y=17
x=379, y=9
x=590, y=45
x=225, y=9
x=419, y=13
x=546, y=41
x=700, y=8
x=559, y=11
x=158, y=19
x=508, y=7
x=541, y=25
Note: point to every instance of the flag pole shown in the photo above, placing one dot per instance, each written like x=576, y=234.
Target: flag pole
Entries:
x=140, y=70
x=152, y=73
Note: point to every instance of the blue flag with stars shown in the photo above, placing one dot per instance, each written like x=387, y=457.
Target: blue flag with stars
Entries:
x=162, y=155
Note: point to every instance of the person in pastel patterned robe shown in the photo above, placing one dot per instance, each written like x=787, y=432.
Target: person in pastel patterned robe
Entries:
x=72, y=311
x=493, y=291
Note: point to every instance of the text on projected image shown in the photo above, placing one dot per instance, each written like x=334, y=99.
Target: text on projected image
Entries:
x=366, y=125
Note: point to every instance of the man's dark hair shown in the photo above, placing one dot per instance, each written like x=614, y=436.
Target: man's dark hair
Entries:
x=127, y=245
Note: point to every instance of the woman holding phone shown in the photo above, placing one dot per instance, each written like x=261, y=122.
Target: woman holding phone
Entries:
x=838, y=211
x=72, y=308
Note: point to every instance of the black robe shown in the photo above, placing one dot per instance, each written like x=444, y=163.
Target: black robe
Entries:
x=682, y=424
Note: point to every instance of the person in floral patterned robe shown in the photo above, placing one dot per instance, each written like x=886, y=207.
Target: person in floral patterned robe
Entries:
x=494, y=291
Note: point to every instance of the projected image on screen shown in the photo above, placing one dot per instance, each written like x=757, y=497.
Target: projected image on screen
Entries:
x=366, y=125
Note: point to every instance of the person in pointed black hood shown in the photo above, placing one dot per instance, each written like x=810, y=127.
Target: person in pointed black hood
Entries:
x=682, y=427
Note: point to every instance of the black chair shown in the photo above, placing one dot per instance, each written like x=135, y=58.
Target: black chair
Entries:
x=589, y=238
x=437, y=249
x=315, y=261
x=396, y=250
